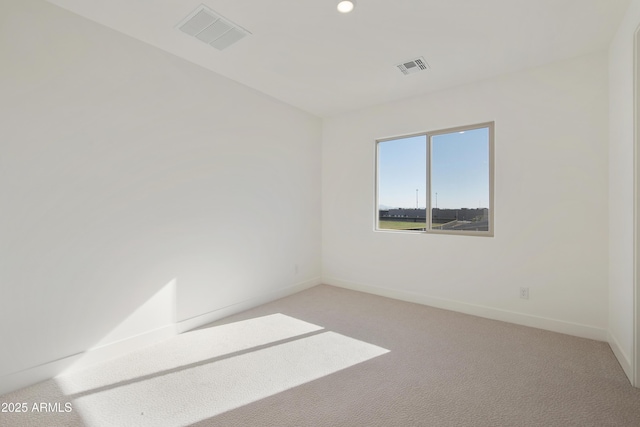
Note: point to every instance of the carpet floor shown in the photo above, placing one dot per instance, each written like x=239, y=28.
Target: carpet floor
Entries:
x=334, y=357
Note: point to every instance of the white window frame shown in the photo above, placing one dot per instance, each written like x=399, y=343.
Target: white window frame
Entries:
x=429, y=212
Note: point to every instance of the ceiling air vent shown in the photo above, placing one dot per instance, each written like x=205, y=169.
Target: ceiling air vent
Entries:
x=413, y=66
x=211, y=28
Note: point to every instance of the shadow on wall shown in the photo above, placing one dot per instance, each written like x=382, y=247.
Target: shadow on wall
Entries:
x=153, y=321
x=194, y=376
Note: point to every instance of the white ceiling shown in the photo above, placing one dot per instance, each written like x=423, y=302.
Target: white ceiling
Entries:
x=306, y=54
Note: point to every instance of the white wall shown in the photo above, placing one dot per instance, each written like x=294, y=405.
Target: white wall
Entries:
x=123, y=168
x=621, y=188
x=551, y=216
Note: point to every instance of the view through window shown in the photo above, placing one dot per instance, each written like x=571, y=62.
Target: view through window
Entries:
x=440, y=182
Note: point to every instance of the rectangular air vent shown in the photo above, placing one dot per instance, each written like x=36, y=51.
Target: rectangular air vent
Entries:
x=211, y=28
x=413, y=66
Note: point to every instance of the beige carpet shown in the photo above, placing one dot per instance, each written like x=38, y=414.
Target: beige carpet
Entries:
x=333, y=357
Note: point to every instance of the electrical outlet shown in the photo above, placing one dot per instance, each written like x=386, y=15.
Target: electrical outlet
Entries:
x=295, y=269
x=524, y=292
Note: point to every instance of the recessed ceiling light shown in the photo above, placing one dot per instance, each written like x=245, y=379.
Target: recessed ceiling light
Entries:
x=346, y=6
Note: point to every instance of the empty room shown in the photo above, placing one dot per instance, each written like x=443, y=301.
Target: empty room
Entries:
x=319, y=213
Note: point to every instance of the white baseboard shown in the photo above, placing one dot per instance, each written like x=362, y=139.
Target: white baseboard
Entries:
x=118, y=348
x=33, y=375
x=621, y=355
x=212, y=316
x=575, y=329
x=47, y=370
x=36, y=374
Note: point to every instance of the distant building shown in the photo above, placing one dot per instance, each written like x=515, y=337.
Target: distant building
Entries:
x=404, y=213
x=438, y=216
x=441, y=216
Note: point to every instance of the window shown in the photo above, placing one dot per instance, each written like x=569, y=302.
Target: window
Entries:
x=437, y=182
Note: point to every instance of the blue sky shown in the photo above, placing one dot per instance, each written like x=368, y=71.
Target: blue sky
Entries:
x=460, y=170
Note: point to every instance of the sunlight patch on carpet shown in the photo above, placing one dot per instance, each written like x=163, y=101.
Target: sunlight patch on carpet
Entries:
x=186, y=349
x=190, y=395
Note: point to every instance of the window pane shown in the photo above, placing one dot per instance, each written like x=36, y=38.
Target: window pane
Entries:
x=402, y=171
x=460, y=180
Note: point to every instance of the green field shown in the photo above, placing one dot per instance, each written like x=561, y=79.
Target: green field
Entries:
x=403, y=225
